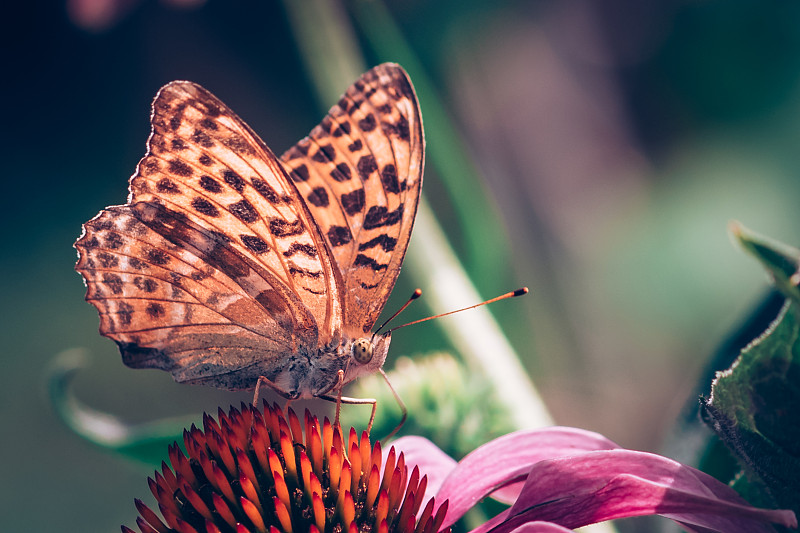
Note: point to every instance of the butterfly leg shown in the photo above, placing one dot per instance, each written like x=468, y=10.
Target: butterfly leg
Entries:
x=339, y=400
x=263, y=380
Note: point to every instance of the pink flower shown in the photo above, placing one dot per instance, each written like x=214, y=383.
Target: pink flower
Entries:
x=558, y=478
x=260, y=471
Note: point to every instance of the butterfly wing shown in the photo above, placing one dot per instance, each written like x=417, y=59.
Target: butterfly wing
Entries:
x=360, y=172
x=215, y=269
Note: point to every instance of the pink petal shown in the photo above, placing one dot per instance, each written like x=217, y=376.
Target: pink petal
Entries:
x=432, y=462
x=508, y=459
x=541, y=527
x=602, y=485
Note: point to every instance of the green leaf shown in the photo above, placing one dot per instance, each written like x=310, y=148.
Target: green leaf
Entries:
x=141, y=443
x=781, y=261
x=754, y=406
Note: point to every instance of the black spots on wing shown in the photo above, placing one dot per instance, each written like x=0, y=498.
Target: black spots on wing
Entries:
x=339, y=235
x=354, y=106
x=199, y=275
x=210, y=184
x=265, y=190
x=167, y=186
x=297, y=271
x=401, y=129
x=255, y=244
x=104, y=224
x=90, y=242
x=233, y=179
x=244, y=211
x=136, y=264
x=206, y=107
x=384, y=241
x=205, y=160
x=209, y=124
x=370, y=92
x=353, y=202
x=325, y=154
x=366, y=166
x=379, y=216
x=389, y=179
x=341, y=172
x=124, y=313
x=149, y=165
x=113, y=241
x=178, y=144
x=113, y=282
x=204, y=207
x=299, y=174
x=303, y=248
x=107, y=260
x=155, y=310
x=175, y=284
x=237, y=143
x=363, y=260
x=281, y=228
x=177, y=117
x=368, y=123
x=147, y=285
x=318, y=197
x=368, y=287
x=343, y=128
x=202, y=138
x=355, y=146
x=385, y=109
x=157, y=257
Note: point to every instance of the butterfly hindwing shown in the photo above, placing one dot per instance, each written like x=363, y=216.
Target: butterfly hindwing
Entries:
x=360, y=173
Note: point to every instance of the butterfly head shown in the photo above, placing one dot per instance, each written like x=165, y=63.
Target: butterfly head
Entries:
x=367, y=355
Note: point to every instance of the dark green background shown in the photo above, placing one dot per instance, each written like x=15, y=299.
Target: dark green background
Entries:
x=633, y=277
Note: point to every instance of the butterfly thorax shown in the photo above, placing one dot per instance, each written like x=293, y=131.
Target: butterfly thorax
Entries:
x=309, y=374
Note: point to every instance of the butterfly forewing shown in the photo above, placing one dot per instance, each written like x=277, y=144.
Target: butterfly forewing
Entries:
x=206, y=164
x=360, y=172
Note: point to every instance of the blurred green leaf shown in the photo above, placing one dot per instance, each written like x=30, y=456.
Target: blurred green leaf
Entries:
x=754, y=405
x=781, y=261
x=142, y=443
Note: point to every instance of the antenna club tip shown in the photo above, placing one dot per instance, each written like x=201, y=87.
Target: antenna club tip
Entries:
x=417, y=294
x=520, y=292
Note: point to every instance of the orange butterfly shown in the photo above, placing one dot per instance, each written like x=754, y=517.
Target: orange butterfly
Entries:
x=230, y=267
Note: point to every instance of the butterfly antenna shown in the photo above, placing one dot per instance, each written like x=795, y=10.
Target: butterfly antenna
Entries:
x=512, y=294
x=417, y=293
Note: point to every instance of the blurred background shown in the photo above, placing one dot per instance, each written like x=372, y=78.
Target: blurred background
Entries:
x=603, y=149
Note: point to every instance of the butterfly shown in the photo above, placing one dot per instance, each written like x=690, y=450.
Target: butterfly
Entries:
x=231, y=267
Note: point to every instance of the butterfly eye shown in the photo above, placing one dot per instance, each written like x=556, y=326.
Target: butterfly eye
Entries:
x=362, y=351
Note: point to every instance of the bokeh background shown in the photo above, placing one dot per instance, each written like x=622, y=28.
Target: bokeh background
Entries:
x=613, y=142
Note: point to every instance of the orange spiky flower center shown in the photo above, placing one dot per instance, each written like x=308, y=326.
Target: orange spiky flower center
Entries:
x=254, y=472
